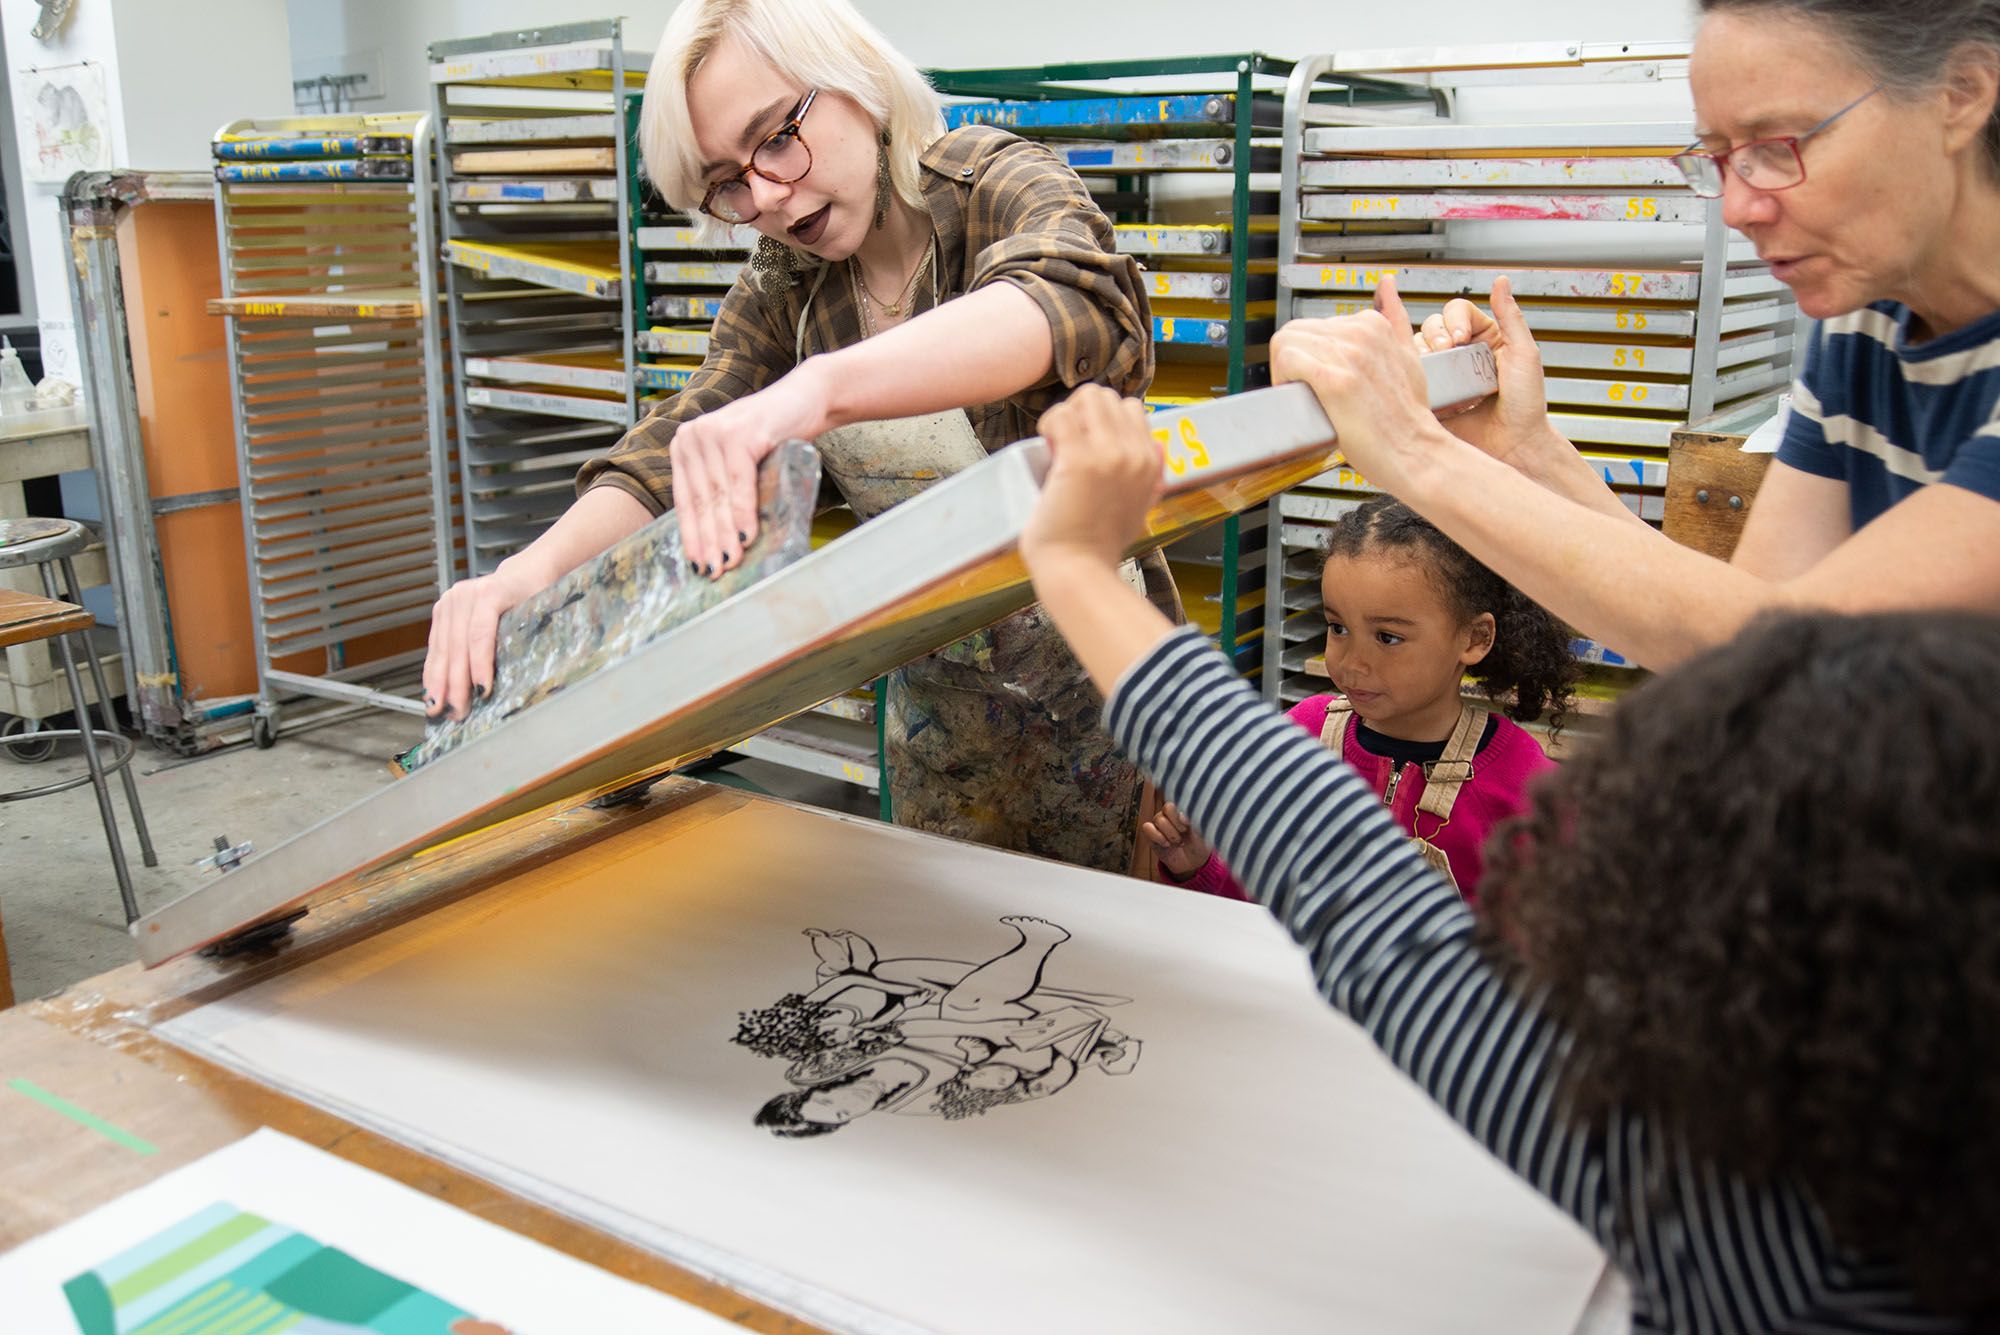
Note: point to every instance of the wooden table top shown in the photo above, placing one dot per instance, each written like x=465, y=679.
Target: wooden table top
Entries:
x=26, y=616
x=92, y=1045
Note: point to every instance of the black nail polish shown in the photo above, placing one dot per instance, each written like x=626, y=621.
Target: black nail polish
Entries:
x=481, y=692
x=743, y=537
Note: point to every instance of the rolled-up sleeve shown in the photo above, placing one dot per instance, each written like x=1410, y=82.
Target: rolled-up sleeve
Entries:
x=1055, y=244
x=745, y=353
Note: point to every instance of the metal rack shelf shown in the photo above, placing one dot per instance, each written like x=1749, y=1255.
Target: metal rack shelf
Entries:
x=536, y=178
x=666, y=379
x=583, y=56
x=1207, y=240
x=1632, y=347
x=1125, y=127
x=692, y=273
x=1613, y=283
x=351, y=169
x=532, y=130
x=832, y=745
x=701, y=309
x=337, y=377
x=585, y=371
x=548, y=190
x=1185, y=332
x=685, y=236
x=1163, y=155
x=587, y=268
x=257, y=148
x=536, y=161
x=390, y=304
x=673, y=342
x=1060, y=112
x=680, y=280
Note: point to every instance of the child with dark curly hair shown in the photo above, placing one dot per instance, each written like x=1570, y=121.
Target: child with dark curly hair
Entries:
x=1410, y=616
x=1751, y=1041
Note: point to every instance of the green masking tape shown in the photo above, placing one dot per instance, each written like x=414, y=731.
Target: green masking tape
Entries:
x=78, y=1115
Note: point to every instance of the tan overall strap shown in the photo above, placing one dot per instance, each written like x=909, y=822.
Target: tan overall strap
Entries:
x=1443, y=778
x=1333, y=733
x=1435, y=856
x=1452, y=770
x=805, y=313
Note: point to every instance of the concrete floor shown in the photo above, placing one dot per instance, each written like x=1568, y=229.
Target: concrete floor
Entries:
x=58, y=896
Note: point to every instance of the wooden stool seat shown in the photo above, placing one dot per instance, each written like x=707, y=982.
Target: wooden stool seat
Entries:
x=24, y=617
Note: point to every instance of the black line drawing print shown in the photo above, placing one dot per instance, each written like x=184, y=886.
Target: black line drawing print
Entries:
x=929, y=1037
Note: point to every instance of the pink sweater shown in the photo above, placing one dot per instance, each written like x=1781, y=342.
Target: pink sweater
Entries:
x=1501, y=772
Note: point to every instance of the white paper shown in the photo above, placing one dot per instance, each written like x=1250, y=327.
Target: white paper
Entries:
x=502, y=1277
x=70, y=118
x=1261, y=1166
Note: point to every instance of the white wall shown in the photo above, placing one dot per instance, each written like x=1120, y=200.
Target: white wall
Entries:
x=171, y=77
x=10, y=157
x=184, y=71
x=87, y=36
x=972, y=33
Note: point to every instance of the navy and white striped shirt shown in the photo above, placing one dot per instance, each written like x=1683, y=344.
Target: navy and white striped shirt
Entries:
x=1391, y=945
x=1887, y=418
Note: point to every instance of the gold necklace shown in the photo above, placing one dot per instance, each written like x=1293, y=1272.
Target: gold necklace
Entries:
x=904, y=299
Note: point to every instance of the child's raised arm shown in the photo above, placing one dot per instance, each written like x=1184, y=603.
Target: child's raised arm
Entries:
x=1104, y=476
x=1390, y=942
x=1310, y=832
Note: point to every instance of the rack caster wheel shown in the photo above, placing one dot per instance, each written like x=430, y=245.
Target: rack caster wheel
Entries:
x=264, y=730
x=25, y=753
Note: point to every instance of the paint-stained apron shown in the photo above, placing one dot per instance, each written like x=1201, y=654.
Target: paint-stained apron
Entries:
x=996, y=738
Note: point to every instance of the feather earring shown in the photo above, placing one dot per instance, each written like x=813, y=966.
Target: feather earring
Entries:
x=885, y=185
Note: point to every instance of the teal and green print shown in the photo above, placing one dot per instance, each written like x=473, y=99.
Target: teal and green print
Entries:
x=225, y=1270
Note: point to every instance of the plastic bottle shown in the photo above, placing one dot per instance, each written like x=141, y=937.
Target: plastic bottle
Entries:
x=16, y=392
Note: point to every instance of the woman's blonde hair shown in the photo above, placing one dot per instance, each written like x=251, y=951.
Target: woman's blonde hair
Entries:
x=824, y=44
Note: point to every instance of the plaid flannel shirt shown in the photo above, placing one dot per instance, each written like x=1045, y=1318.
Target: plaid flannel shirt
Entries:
x=1005, y=211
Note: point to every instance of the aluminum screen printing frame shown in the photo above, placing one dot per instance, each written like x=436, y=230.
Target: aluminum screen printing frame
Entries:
x=926, y=573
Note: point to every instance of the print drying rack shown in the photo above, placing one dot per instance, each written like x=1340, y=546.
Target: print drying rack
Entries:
x=927, y=573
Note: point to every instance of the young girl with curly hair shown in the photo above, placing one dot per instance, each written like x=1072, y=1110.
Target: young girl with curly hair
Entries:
x=1410, y=616
x=1750, y=1039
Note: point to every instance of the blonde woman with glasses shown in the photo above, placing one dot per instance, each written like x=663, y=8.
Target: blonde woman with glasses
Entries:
x=1857, y=144
x=916, y=299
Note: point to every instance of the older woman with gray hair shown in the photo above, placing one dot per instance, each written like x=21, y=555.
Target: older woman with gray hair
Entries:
x=916, y=299
x=1857, y=144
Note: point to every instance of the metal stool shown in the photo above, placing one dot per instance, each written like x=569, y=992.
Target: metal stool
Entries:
x=46, y=544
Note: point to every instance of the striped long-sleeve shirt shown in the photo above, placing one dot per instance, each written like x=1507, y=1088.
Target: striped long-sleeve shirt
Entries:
x=1392, y=946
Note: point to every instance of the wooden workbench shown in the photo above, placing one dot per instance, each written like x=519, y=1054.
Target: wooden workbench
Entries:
x=93, y=1045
